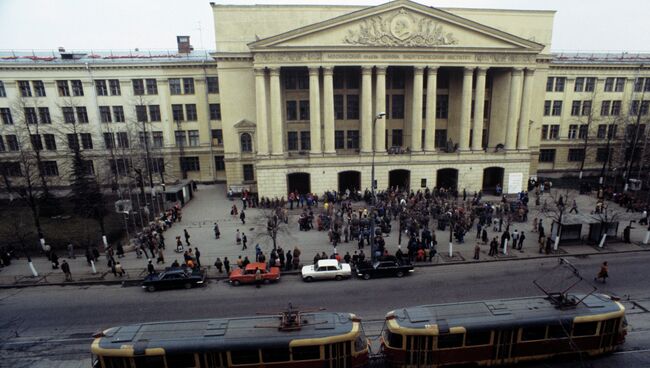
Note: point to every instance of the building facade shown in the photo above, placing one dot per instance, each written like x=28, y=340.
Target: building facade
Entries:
x=421, y=96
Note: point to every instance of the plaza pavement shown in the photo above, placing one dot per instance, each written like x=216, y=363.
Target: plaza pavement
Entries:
x=210, y=204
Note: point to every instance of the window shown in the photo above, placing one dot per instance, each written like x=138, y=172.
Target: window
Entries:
x=100, y=88
x=602, y=131
x=275, y=355
x=174, y=86
x=244, y=356
x=397, y=139
x=533, y=333
x=549, y=84
x=609, y=85
x=141, y=113
x=638, y=84
x=219, y=164
x=193, y=136
x=292, y=141
x=50, y=142
x=177, y=112
x=305, y=140
x=554, y=133
x=215, y=111
x=73, y=142
x=559, y=84
x=122, y=140
x=604, y=108
x=11, y=168
x=576, y=154
x=68, y=115
x=441, y=138
x=25, y=89
x=586, y=108
x=616, y=108
x=82, y=114
x=44, y=115
x=339, y=139
x=30, y=115
x=442, y=106
x=49, y=168
x=64, y=89
x=620, y=85
x=120, y=166
x=190, y=112
x=547, y=107
x=3, y=92
x=179, y=136
x=188, y=86
x=338, y=107
x=12, y=142
x=109, y=140
x=544, y=132
x=39, y=88
x=154, y=112
x=2, y=145
x=114, y=86
x=305, y=352
x=611, y=131
x=190, y=164
x=292, y=112
x=575, y=108
x=353, y=139
x=634, y=108
x=644, y=106
x=143, y=139
x=152, y=86
x=397, y=107
x=447, y=341
x=304, y=109
x=157, y=139
x=547, y=155
x=478, y=337
x=585, y=329
x=180, y=360
x=105, y=114
x=573, y=131
x=603, y=154
x=583, y=131
x=77, y=88
x=213, y=85
x=246, y=142
x=579, y=85
x=590, y=84
x=5, y=113
x=352, y=111
x=249, y=175
x=217, y=134
x=138, y=87
x=157, y=164
x=86, y=141
x=557, y=108
x=118, y=114
x=37, y=143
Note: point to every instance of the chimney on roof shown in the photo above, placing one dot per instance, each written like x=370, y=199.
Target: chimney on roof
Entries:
x=61, y=49
x=184, y=46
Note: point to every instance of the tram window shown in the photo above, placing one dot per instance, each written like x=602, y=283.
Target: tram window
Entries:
x=214, y=360
x=275, y=355
x=394, y=340
x=149, y=362
x=557, y=332
x=245, y=356
x=533, y=333
x=480, y=337
x=450, y=341
x=585, y=329
x=113, y=362
x=609, y=326
x=306, y=352
x=180, y=360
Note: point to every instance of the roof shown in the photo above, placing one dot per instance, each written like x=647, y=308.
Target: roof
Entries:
x=44, y=57
x=487, y=314
x=224, y=333
x=254, y=265
x=600, y=58
x=328, y=262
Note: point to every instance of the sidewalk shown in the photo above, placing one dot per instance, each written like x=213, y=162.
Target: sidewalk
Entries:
x=210, y=204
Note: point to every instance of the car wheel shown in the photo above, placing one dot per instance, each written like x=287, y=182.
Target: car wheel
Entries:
x=151, y=288
x=266, y=282
x=309, y=279
x=399, y=273
x=366, y=276
x=236, y=283
x=338, y=278
x=187, y=285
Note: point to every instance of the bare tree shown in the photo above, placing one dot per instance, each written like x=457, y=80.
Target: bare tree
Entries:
x=555, y=210
x=605, y=216
x=275, y=224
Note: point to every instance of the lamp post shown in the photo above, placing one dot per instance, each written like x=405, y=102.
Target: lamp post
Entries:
x=372, y=189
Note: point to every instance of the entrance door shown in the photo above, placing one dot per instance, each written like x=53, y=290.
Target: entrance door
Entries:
x=299, y=182
x=503, y=345
x=492, y=176
x=447, y=178
x=399, y=178
x=349, y=180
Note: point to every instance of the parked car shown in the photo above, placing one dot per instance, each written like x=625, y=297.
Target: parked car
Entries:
x=326, y=269
x=384, y=267
x=247, y=275
x=174, y=278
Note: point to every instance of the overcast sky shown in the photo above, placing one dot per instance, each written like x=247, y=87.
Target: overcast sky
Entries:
x=589, y=25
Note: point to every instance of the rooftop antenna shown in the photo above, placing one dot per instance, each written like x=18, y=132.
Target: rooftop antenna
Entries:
x=558, y=294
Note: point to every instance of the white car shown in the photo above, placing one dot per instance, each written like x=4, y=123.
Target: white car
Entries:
x=326, y=269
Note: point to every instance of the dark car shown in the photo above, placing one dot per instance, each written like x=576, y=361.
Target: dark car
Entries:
x=174, y=278
x=387, y=266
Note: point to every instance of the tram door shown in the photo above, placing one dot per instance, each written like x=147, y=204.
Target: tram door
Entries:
x=339, y=355
x=420, y=351
x=503, y=345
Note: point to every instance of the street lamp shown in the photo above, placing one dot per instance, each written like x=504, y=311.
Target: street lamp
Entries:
x=372, y=188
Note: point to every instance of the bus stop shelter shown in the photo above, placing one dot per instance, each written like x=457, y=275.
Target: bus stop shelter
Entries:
x=181, y=192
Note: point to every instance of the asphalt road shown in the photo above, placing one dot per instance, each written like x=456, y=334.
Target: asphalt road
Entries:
x=67, y=316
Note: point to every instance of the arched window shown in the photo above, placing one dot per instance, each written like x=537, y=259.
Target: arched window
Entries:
x=246, y=142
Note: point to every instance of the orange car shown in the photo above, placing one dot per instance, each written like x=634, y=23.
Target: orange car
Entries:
x=247, y=275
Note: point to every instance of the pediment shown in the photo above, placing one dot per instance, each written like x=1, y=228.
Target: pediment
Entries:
x=398, y=24
x=244, y=124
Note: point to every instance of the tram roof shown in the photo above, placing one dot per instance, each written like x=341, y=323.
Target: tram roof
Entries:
x=501, y=312
x=224, y=334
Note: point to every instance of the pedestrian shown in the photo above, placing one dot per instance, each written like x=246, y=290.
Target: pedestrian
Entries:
x=219, y=265
x=71, y=251
x=534, y=225
x=258, y=276
x=226, y=265
x=217, y=233
x=521, y=241
x=55, y=260
x=238, y=237
x=542, y=244
x=179, y=245
x=289, y=258
x=197, y=254
x=161, y=257
x=89, y=256
x=244, y=240
x=187, y=237
x=150, y=269
x=120, y=249
x=477, y=251
x=603, y=273
x=242, y=217
x=118, y=269
x=494, y=244
x=65, y=267
x=626, y=234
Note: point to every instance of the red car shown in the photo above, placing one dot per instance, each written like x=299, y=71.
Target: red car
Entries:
x=247, y=275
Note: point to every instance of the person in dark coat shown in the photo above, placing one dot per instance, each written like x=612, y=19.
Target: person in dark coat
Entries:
x=65, y=267
x=242, y=217
x=217, y=232
x=226, y=265
x=289, y=260
x=219, y=265
x=626, y=234
x=150, y=269
x=197, y=255
x=55, y=260
x=521, y=241
x=187, y=236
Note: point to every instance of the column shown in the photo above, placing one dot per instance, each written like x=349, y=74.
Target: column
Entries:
x=366, y=109
x=524, y=120
x=380, y=106
x=465, y=109
x=416, y=112
x=262, y=123
x=328, y=106
x=513, y=108
x=277, y=133
x=314, y=110
x=430, y=119
x=479, y=107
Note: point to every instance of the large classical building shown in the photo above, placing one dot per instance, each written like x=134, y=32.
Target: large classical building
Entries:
x=314, y=98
